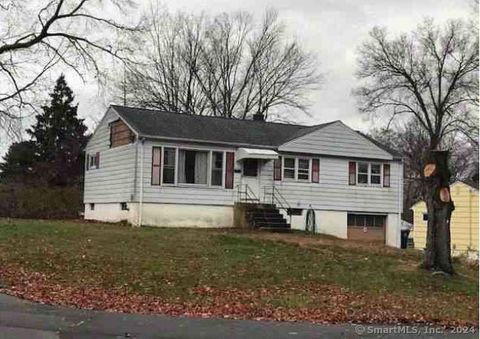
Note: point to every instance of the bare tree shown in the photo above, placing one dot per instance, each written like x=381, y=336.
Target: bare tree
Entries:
x=432, y=76
x=411, y=141
x=223, y=65
x=36, y=37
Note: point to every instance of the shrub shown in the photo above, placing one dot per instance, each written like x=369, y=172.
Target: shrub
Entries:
x=44, y=202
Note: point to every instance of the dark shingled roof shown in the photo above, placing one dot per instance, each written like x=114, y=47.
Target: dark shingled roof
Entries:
x=154, y=123
x=161, y=124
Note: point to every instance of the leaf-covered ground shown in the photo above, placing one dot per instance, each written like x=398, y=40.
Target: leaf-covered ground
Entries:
x=227, y=273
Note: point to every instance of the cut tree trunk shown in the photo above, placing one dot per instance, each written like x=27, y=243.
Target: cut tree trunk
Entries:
x=439, y=207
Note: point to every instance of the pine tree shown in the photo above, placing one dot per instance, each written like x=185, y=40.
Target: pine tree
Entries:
x=17, y=165
x=59, y=138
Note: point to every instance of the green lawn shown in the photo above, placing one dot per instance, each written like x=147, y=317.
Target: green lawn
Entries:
x=207, y=268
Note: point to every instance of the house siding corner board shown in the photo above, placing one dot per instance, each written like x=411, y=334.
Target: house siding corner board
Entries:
x=114, y=179
x=189, y=194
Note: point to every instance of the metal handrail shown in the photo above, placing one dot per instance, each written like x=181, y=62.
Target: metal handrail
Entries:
x=278, y=198
x=249, y=194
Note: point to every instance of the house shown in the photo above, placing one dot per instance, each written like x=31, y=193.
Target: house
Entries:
x=168, y=169
x=463, y=224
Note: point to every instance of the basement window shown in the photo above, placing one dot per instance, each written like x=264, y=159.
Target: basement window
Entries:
x=124, y=206
x=92, y=206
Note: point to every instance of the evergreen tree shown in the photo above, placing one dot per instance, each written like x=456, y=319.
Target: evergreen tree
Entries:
x=59, y=138
x=18, y=163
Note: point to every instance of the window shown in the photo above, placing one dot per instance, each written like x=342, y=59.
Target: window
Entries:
x=93, y=161
x=375, y=174
x=169, y=156
x=92, y=206
x=217, y=168
x=367, y=173
x=289, y=168
x=171, y=165
x=425, y=216
x=365, y=220
x=362, y=173
x=123, y=206
x=250, y=167
x=192, y=167
x=303, y=169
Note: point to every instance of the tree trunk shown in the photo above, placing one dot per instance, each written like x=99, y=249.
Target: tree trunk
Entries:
x=439, y=208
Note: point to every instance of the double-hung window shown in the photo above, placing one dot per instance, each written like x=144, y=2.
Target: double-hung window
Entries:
x=303, y=172
x=296, y=169
x=289, y=168
x=217, y=168
x=369, y=173
x=375, y=174
x=169, y=156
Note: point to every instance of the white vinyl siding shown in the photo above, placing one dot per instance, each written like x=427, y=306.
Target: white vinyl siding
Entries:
x=182, y=193
x=334, y=193
x=336, y=139
x=113, y=181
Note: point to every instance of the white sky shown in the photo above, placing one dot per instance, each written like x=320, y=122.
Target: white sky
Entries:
x=332, y=29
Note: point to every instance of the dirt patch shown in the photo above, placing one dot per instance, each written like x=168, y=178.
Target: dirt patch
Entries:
x=315, y=241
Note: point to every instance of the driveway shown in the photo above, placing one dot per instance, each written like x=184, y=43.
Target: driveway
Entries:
x=22, y=319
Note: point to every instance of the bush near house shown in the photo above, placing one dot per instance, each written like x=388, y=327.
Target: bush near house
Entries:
x=44, y=202
x=228, y=273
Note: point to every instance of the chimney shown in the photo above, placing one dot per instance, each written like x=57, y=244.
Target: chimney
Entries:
x=258, y=117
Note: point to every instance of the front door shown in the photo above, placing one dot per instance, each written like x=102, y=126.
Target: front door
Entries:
x=251, y=176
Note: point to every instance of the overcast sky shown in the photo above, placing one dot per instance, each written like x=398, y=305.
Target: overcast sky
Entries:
x=332, y=29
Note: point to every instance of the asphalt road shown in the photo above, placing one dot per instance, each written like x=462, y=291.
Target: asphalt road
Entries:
x=21, y=319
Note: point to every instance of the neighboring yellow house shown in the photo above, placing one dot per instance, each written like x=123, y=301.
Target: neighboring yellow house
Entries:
x=463, y=226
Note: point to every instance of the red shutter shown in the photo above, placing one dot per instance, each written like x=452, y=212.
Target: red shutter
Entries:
x=230, y=164
x=277, y=169
x=156, y=165
x=315, y=170
x=97, y=160
x=352, y=173
x=386, y=175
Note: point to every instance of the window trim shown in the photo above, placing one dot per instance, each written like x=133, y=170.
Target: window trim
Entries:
x=369, y=173
x=209, y=170
x=92, y=157
x=297, y=165
x=209, y=173
x=175, y=167
x=296, y=169
x=284, y=167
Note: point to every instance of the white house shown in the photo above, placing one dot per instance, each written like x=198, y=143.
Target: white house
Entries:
x=168, y=169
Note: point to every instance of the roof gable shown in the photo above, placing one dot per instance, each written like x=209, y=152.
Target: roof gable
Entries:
x=336, y=139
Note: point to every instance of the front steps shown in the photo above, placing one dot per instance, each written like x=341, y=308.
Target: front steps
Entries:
x=261, y=216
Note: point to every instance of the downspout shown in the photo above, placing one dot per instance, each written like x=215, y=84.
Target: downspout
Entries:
x=400, y=203
x=140, y=202
x=470, y=193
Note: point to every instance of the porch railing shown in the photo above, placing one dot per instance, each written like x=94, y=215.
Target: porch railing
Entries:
x=245, y=194
x=272, y=195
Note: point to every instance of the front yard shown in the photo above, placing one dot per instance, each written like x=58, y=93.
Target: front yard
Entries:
x=227, y=273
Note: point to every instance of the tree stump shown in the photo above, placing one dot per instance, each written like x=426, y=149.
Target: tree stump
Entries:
x=436, y=177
